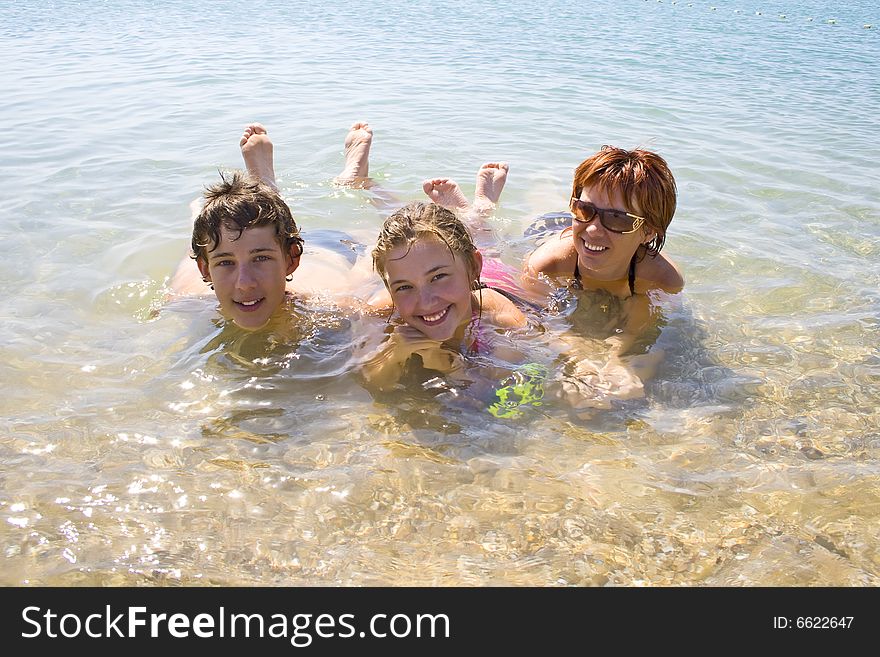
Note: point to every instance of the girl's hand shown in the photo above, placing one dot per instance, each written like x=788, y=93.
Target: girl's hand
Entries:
x=408, y=341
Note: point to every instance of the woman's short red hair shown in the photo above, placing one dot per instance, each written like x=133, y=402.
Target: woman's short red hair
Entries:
x=641, y=177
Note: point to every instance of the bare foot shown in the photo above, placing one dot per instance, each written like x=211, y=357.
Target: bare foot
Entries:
x=447, y=193
x=357, y=154
x=256, y=149
x=490, y=181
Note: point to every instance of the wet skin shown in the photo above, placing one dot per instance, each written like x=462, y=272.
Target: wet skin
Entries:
x=248, y=274
x=431, y=288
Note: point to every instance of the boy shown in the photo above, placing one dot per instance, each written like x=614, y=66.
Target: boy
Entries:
x=246, y=245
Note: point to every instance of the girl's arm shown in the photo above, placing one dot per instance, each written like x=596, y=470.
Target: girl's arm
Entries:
x=383, y=367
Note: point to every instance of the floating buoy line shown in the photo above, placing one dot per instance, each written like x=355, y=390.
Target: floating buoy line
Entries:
x=782, y=17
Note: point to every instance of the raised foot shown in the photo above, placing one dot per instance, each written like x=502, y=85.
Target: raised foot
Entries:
x=447, y=193
x=490, y=182
x=257, y=152
x=357, y=154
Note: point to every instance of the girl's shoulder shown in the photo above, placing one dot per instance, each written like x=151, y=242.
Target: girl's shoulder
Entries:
x=499, y=310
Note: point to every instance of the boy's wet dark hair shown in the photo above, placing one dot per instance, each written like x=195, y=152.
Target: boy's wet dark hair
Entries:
x=237, y=203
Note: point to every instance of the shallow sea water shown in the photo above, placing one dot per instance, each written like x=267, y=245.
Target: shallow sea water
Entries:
x=142, y=449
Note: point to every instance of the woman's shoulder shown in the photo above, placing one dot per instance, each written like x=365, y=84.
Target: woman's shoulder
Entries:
x=556, y=256
x=659, y=272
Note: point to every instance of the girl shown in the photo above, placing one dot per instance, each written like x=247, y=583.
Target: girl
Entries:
x=431, y=269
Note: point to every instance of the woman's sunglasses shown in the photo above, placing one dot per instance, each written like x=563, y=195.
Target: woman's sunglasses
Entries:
x=614, y=220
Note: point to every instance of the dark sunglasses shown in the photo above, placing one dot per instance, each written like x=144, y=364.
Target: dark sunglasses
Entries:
x=616, y=221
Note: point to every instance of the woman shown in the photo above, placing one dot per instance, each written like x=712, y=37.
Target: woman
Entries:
x=621, y=202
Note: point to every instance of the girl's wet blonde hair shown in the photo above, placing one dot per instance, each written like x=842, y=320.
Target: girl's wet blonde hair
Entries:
x=417, y=220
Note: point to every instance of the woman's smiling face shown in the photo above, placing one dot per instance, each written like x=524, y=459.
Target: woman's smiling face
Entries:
x=431, y=286
x=602, y=254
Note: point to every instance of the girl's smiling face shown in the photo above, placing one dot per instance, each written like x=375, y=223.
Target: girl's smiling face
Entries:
x=431, y=286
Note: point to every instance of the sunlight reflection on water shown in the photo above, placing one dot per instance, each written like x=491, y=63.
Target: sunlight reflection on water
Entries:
x=164, y=449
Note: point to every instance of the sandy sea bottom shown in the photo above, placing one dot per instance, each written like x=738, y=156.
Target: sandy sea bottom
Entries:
x=142, y=449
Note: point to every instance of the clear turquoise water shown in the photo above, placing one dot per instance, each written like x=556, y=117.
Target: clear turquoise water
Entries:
x=138, y=450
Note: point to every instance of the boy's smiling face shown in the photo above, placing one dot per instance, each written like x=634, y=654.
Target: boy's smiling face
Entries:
x=248, y=273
